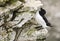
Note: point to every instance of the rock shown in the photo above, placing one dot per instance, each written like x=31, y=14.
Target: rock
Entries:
x=24, y=13
x=3, y=35
x=33, y=4
x=4, y=10
x=33, y=34
x=14, y=6
x=3, y=2
x=11, y=35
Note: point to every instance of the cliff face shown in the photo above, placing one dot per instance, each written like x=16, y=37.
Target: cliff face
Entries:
x=3, y=2
x=17, y=22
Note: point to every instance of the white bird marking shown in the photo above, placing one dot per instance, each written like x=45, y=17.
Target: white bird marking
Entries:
x=40, y=20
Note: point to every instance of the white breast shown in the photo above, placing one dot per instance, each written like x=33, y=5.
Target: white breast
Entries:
x=40, y=20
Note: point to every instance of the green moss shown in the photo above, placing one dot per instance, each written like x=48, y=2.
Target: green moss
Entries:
x=30, y=31
x=12, y=1
x=22, y=0
x=3, y=2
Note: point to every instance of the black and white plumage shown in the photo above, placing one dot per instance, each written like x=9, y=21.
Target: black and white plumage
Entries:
x=42, y=12
x=40, y=20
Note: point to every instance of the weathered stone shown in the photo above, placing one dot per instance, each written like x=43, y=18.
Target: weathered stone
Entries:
x=11, y=34
x=14, y=6
x=33, y=34
x=4, y=10
x=3, y=2
x=3, y=34
x=24, y=19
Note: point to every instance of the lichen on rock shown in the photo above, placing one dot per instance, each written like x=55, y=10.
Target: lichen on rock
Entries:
x=18, y=15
